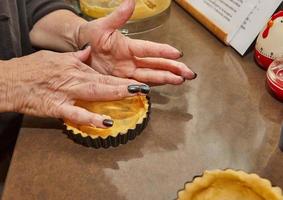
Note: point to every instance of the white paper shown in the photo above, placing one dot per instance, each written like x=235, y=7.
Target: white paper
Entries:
x=228, y=15
x=253, y=24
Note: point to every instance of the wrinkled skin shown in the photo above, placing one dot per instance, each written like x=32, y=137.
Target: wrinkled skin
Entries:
x=48, y=83
x=118, y=55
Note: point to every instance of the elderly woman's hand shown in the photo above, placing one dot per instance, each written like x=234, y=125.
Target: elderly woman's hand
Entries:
x=118, y=55
x=48, y=84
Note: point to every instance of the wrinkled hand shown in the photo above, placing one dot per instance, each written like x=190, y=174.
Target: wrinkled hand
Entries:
x=47, y=84
x=118, y=55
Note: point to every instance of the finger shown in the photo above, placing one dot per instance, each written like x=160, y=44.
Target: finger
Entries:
x=157, y=77
x=173, y=66
x=120, y=16
x=83, y=55
x=110, y=80
x=82, y=116
x=142, y=48
x=92, y=91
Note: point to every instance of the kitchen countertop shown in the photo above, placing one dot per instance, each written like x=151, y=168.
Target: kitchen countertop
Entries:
x=223, y=119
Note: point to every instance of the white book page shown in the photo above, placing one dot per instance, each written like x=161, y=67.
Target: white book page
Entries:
x=228, y=15
x=253, y=24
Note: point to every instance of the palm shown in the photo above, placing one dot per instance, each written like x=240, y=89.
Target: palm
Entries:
x=121, y=56
x=111, y=55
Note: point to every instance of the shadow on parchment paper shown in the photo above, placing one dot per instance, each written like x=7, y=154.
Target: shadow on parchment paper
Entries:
x=273, y=166
x=271, y=109
x=269, y=112
x=248, y=137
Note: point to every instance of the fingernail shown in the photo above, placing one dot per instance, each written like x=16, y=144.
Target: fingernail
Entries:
x=108, y=122
x=134, y=88
x=181, y=54
x=145, y=89
x=196, y=75
x=85, y=46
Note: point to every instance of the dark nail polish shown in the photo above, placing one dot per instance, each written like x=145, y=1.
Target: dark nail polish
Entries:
x=85, y=46
x=108, y=122
x=134, y=88
x=196, y=75
x=145, y=89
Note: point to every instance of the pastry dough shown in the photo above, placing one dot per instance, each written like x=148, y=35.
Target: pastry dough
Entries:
x=126, y=114
x=230, y=185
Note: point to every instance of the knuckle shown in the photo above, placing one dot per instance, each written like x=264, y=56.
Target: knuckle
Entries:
x=106, y=79
x=73, y=116
x=118, y=92
x=103, y=79
x=146, y=43
x=172, y=63
x=92, y=89
x=95, y=118
x=59, y=112
x=167, y=78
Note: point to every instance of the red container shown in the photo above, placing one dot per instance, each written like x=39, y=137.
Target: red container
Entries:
x=275, y=81
x=281, y=140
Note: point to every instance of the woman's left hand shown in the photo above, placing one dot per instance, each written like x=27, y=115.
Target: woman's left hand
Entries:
x=118, y=55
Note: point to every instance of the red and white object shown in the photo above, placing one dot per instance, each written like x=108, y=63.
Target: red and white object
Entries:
x=275, y=79
x=269, y=45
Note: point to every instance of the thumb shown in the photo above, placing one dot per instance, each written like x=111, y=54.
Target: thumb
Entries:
x=120, y=16
x=84, y=54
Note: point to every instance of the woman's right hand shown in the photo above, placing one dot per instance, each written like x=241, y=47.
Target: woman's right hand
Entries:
x=47, y=84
